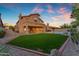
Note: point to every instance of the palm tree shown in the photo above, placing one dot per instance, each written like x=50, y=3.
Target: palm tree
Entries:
x=75, y=14
x=74, y=24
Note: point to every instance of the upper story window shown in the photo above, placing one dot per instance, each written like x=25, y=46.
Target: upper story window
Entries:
x=24, y=26
x=21, y=17
x=35, y=19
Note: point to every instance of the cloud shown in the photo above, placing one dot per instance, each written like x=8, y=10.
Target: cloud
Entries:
x=62, y=10
x=39, y=8
x=50, y=10
x=36, y=9
x=61, y=19
x=55, y=24
x=65, y=17
x=64, y=14
x=57, y=18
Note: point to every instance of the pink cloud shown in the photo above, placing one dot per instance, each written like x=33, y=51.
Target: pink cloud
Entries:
x=62, y=10
x=57, y=18
x=64, y=16
x=50, y=10
x=61, y=19
x=36, y=9
x=67, y=16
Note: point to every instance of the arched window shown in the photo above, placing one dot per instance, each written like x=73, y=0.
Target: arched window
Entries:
x=35, y=19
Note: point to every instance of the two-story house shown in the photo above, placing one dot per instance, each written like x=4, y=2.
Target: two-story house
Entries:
x=30, y=24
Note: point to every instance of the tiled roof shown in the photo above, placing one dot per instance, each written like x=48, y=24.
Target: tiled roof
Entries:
x=30, y=16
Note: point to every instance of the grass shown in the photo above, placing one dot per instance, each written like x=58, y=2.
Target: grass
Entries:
x=41, y=42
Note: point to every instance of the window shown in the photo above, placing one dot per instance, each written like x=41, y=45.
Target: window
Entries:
x=21, y=17
x=24, y=26
x=35, y=19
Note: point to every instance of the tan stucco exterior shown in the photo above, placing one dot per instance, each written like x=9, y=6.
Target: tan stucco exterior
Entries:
x=30, y=24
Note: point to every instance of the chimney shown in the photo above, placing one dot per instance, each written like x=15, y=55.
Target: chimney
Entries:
x=47, y=24
x=20, y=15
x=47, y=27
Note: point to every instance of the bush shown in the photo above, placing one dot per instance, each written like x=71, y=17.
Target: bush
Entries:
x=11, y=28
x=2, y=33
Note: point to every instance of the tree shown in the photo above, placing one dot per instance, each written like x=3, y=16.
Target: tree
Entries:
x=65, y=26
x=74, y=24
x=75, y=14
x=11, y=28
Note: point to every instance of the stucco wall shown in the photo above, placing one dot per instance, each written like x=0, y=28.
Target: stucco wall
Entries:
x=24, y=22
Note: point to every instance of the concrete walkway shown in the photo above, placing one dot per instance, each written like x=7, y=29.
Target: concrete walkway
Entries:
x=15, y=51
x=10, y=35
x=71, y=48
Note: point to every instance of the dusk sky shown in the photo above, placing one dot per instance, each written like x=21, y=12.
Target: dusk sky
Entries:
x=54, y=14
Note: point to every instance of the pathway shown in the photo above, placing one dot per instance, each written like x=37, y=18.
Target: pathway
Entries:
x=70, y=48
x=8, y=37
x=16, y=51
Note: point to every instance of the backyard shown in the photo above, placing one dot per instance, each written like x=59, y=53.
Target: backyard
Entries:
x=43, y=42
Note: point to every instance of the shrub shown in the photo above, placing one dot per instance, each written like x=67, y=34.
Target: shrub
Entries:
x=2, y=33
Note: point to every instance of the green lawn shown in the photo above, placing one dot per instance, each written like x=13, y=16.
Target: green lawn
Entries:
x=42, y=42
